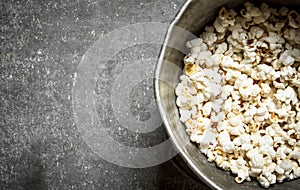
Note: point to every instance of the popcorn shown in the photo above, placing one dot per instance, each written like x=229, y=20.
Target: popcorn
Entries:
x=208, y=138
x=292, y=35
x=206, y=109
x=294, y=19
x=185, y=115
x=286, y=58
x=194, y=43
x=190, y=69
x=256, y=159
x=226, y=143
x=234, y=121
x=256, y=32
x=221, y=48
x=288, y=95
x=263, y=181
x=297, y=172
x=238, y=96
x=209, y=38
x=296, y=54
x=268, y=150
x=220, y=26
x=225, y=165
x=286, y=165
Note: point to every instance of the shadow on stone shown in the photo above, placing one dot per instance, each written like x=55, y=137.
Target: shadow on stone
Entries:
x=35, y=180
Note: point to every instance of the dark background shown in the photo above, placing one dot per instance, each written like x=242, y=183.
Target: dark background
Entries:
x=42, y=42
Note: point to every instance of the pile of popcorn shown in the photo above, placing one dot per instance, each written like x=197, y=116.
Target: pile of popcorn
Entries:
x=239, y=94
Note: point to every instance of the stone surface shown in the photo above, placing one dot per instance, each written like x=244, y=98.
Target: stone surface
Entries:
x=42, y=43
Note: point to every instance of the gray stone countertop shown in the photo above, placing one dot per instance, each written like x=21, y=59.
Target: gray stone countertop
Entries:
x=42, y=44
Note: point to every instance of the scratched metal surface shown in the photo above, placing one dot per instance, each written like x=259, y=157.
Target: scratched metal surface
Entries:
x=42, y=43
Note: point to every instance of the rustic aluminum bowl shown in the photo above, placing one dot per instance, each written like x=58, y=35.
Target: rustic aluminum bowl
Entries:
x=192, y=17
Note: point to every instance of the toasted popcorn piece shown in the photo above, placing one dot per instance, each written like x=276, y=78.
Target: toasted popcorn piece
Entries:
x=227, y=17
x=242, y=175
x=190, y=69
x=280, y=178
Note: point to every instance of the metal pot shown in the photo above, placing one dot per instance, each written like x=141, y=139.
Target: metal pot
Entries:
x=192, y=17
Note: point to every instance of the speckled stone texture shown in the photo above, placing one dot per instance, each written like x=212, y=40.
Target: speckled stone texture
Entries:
x=42, y=42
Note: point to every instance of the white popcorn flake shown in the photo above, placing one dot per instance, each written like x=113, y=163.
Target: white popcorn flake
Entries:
x=286, y=165
x=204, y=122
x=297, y=172
x=225, y=142
x=194, y=43
x=263, y=181
x=185, y=115
x=238, y=96
x=222, y=48
x=217, y=118
x=206, y=109
x=279, y=169
x=208, y=138
x=256, y=158
x=288, y=95
x=268, y=150
x=234, y=121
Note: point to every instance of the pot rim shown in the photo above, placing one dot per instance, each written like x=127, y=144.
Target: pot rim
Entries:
x=161, y=108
